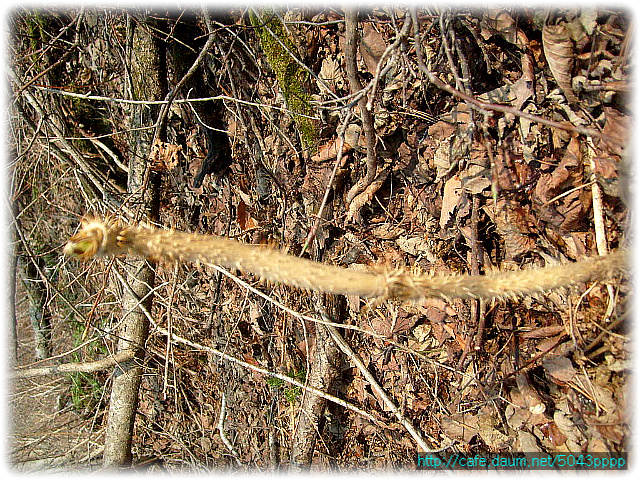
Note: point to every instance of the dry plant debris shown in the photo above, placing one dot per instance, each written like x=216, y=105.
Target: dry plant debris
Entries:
x=448, y=142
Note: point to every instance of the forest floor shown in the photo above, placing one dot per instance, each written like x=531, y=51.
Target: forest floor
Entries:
x=523, y=166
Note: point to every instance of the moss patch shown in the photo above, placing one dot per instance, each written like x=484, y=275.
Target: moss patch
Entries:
x=291, y=77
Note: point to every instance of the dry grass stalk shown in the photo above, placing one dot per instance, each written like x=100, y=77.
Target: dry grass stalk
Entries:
x=99, y=238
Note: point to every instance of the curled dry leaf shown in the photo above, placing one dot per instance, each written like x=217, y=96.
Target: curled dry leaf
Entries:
x=487, y=430
x=416, y=246
x=459, y=426
x=332, y=74
x=558, y=50
x=514, y=223
x=606, y=172
x=532, y=399
x=329, y=151
x=552, y=434
x=559, y=368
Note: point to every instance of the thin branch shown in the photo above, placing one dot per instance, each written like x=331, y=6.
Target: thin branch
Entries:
x=86, y=96
x=223, y=436
x=351, y=20
x=346, y=349
x=71, y=151
x=74, y=367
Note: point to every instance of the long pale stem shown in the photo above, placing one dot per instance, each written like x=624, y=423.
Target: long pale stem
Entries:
x=97, y=238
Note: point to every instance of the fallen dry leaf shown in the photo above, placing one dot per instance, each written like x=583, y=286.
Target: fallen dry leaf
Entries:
x=527, y=442
x=558, y=50
x=501, y=21
x=606, y=172
x=416, y=246
x=332, y=74
x=553, y=434
x=329, y=151
x=460, y=427
x=495, y=439
x=450, y=199
x=617, y=128
x=515, y=224
x=567, y=211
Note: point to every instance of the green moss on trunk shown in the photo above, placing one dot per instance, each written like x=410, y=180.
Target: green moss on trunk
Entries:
x=291, y=77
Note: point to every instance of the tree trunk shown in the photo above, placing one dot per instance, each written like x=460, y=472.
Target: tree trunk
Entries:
x=148, y=82
x=38, y=310
x=324, y=371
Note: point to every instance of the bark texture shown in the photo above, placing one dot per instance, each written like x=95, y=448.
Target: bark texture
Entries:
x=147, y=82
x=324, y=370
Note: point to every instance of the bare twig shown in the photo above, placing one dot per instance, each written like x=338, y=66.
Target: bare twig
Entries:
x=346, y=349
x=91, y=173
x=127, y=101
x=351, y=44
x=223, y=436
x=75, y=367
x=444, y=32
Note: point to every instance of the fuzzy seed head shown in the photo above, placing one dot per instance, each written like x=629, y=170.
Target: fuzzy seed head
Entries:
x=95, y=238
